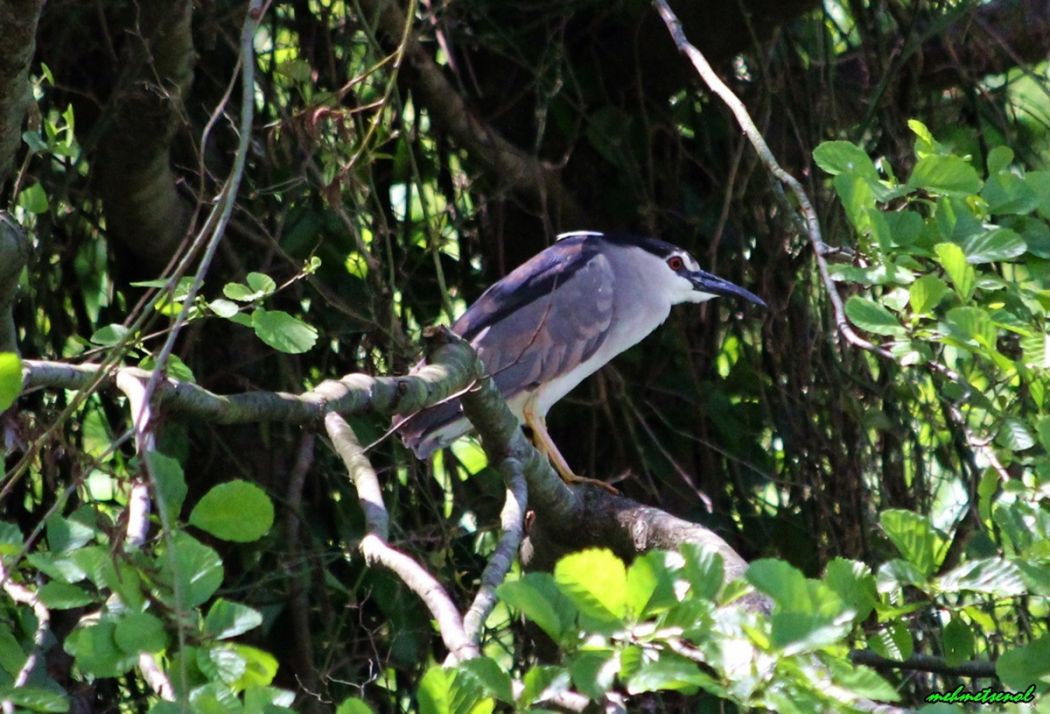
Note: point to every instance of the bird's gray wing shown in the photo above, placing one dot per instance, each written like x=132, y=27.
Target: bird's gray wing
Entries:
x=541, y=320
x=553, y=333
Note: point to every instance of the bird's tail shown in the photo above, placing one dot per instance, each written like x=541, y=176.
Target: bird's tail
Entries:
x=432, y=428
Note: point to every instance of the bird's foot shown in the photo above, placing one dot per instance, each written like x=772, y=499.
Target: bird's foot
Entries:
x=573, y=480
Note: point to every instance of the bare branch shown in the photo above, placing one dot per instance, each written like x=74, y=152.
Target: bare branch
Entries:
x=15, y=250
x=925, y=663
x=506, y=163
x=375, y=548
x=512, y=522
x=22, y=594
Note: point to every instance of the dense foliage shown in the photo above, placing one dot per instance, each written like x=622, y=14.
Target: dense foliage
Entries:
x=886, y=477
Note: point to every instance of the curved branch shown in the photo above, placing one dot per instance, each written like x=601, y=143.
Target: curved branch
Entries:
x=15, y=250
x=144, y=209
x=506, y=163
x=375, y=549
x=18, y=21
x=925, y=663
x=22, y=594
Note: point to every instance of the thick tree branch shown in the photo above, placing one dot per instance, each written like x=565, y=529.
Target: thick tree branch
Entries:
x=506, y=164
x=15, y=250
x=18, y=21
x=925, y=663
x=144, y=209
x=450, y=371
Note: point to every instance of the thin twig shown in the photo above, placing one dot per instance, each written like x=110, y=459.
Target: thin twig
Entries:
x=512, y=522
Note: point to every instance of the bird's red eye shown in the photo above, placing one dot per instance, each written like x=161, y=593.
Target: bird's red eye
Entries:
x=675, y=263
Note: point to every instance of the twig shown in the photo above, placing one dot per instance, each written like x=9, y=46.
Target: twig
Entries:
x=22, y=594
x=512, y=522
x=809, y=214
x=925, y=663
x=375, y=549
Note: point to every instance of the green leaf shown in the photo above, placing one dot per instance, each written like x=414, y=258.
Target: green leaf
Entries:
x=1039, y=182
x=10, y=379
x=668, y=673
x=223, y=308
x=33, y=199
x=283, y=332
x=999, y=158
x=37, y=699
x=110, y=335
x=960, y=272
x=140, y=632
x=96, y=652
x=260, y=667
x=354, y=705
x=1014, y=435
x=892, y=642
x=272, y=700
x=228, y=619
x=958, y=641
x=843, y=157
x=650, y=589
x=544, y=682
x=538, y=598
x=594, y=671
x=705, y=570
x=944, y=174
x=795, y=632
x=925, y=143
x=197, y=569
x=170, y=484
x=783, y=582
x=12, y=657
x=236, y=511
x=990, y=576
x=65, y=535
x=854, y=583
x=914, y=537
x=862, y=681
x=1024, y=666
x=491, y=677
x=596, y=581
x=222, y=662
x=1009, y=194
x=434, y=691
x=993, y=245
x=926, y=293
x=872, y=317
x=259, y=286
x=57, y=595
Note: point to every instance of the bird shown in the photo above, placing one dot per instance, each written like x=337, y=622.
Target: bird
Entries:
x=559, y=317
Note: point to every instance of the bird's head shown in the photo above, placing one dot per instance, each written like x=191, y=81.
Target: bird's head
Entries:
x=676, y=273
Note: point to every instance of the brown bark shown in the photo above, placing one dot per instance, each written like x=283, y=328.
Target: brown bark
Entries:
x=18, y=21
x=144, y=209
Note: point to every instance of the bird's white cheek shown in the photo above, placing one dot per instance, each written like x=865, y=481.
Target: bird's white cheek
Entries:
x=695, y=296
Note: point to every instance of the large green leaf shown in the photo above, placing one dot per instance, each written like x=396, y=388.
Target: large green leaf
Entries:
x=843, y=157
x=1025, y=666
x=237, y=511
x=140, y=632
x=596, y=581
x=989, y=576
x=870, y=316
x=538, y=598
x=993, y=245
x=228, y=619
x=10, y=379
x=925, y=293
x=283, y=332
x=914, y=537
x=944, y=174
x=960, y=272
x=170, y=484
x=193, y=567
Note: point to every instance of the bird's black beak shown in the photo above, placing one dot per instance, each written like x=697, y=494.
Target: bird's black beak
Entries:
x=714, y=285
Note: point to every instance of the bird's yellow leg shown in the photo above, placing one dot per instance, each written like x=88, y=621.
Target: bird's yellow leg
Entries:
x=547, y=447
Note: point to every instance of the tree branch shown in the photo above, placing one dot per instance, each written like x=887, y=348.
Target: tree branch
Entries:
x=375, y=549
x=15, y=250
x=506, y=163
x=925, y=663
x=138, y=186
x=18, y=22
x=22, y=594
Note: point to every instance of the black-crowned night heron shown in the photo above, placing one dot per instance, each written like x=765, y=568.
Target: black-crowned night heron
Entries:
x=560, y=316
